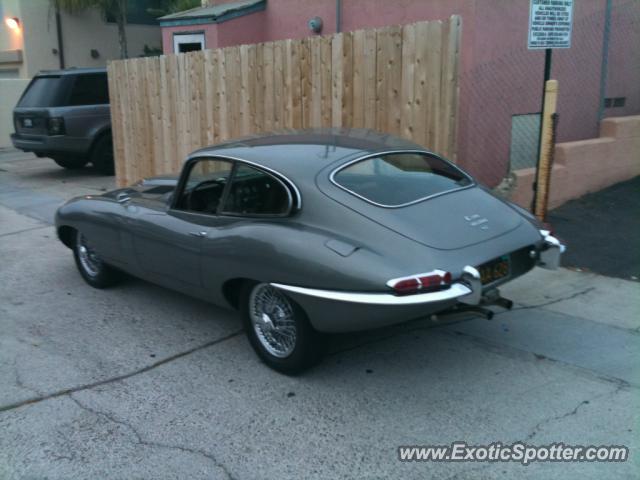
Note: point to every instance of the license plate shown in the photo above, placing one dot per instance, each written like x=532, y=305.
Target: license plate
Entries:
x=27, y=122
x=495, y=270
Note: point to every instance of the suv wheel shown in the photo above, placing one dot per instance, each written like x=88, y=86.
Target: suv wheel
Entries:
x=71, y=163
x=102, y=155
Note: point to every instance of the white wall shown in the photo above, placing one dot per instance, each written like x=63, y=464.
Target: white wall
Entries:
x=79, y=39
x=10, y=91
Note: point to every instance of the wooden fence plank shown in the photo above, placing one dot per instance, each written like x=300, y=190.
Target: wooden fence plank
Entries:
x=407, y=94
x=325, y=81
x=337, y=79
x=433, y=85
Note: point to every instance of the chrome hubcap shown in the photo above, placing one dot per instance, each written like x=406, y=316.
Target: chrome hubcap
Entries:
x=89, y=259
x=273, y=320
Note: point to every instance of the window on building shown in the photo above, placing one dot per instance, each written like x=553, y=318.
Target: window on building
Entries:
x=188, y=42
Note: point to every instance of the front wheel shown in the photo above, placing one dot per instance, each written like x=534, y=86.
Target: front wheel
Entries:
x=279, y=330
x=92, y=268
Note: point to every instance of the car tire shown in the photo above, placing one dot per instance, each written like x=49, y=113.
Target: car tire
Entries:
x=71, y=163
x=102, y=155
x=279, y=330
x=93, y=269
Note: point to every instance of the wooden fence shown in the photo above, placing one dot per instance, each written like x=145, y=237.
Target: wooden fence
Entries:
x=399, y=80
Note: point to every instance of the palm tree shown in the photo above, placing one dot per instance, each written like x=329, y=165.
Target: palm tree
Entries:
x=118, y=8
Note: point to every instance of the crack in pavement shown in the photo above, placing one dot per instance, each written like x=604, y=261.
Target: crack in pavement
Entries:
x=19, y=382
x=25, y=230
x=536, y=429
x=551, y=302
x=68, y=391
x=147, y=443
x=621, y=386
x=502, y=349
x=467, y=317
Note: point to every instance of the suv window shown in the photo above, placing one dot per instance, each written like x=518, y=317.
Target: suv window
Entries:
x=90, y=89
x=205, y=185
x=255, y=192
x=44, y=92
x=398, y=179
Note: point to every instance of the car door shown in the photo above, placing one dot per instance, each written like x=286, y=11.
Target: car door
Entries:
x=240, y=243
x=168, y=243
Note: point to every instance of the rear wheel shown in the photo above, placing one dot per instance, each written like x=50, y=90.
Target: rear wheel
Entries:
x=102, y=155
x=92, y=268
x=71, y=163
x=279, y=330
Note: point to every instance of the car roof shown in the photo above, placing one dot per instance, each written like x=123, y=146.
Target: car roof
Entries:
x=70, y=71
x=307, y=151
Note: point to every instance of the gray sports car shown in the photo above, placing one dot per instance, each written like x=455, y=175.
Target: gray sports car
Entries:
x=309, y=232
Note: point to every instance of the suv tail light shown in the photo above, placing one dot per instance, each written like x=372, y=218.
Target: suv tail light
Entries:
x=56, y=126
x=421, y=282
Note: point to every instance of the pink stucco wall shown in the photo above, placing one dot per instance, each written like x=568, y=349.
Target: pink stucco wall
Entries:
x=578, y=167
x=499, y=76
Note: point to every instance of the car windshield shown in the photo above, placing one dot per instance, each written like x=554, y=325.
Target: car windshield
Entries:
x=44, y=92
x=397, y=179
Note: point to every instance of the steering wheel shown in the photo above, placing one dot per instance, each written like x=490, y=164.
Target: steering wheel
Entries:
x=200, y=186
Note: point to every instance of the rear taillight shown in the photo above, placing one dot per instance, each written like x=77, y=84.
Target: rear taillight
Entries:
x=407, y=286
x=56, y=126
x=421, y=282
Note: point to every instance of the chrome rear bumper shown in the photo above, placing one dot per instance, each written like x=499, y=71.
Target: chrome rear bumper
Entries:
x=341, y=311
x=551, y=251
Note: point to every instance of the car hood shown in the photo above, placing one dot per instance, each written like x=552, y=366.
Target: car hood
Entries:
x=447, y=222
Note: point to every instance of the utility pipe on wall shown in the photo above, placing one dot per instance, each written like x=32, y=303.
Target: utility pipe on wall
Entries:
x=59, y=35
x=338, y=16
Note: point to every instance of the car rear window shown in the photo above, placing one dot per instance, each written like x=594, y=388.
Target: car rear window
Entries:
x=398, y=179
x=44, y=92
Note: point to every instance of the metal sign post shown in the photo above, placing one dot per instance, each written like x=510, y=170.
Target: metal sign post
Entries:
x=550, y=26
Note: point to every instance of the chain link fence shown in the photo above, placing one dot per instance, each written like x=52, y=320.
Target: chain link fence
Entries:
x=500, y=100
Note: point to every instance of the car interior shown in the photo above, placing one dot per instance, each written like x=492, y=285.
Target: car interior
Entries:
x=252, y=192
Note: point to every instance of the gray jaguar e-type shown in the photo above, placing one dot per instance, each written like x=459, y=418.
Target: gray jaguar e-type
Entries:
x=311, y=231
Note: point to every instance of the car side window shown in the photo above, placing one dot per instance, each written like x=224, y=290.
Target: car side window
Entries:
x=256, y=192
x=205, y=185
x=90, y=89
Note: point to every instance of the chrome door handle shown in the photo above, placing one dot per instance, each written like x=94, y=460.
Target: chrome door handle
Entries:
x=198, y=234
x=123, y=197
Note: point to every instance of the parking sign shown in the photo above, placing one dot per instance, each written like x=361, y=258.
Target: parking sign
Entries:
x=550, y=24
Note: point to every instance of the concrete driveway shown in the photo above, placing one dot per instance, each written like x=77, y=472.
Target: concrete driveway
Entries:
x=140, y=382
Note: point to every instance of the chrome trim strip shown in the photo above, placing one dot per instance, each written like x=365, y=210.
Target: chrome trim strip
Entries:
x=391, y=152
x=454, y=292
x=280, y=176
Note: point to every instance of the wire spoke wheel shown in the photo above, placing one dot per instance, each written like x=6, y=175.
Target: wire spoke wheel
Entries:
x=89, y=259
x=273, y=319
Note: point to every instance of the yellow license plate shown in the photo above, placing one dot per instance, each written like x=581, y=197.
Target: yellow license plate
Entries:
x=495, y=270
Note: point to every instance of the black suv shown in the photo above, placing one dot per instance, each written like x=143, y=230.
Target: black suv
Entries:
x=65, y=115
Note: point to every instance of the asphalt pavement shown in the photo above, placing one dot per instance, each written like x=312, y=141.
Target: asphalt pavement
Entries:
x=140, y=382
x=603, y=230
